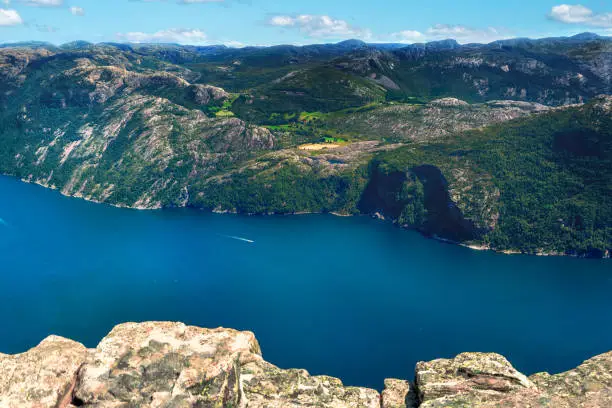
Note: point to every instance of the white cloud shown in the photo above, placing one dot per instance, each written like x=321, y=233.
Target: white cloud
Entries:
x=43, y=3
x=9, y=17
x=233, y=44
x=319, y=26
x=460, y=33
x=172, y=35
x=463, y=34
x=579, y=14
x=77, y=11
x=408, y=36
x=323, y=26
x=282, y=21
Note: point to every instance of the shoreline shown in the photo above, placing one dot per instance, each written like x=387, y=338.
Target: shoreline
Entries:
x=379, y=216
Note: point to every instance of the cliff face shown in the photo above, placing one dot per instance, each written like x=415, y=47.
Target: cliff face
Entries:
x=420, y=199
x=108, y=126
x=173, y=365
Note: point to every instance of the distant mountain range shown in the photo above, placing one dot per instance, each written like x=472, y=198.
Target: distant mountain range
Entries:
x=346, y=44
x=504, y=145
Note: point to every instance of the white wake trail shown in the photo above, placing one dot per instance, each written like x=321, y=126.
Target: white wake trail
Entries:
x=250, y=241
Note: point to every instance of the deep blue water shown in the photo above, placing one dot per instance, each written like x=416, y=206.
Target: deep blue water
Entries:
x=349, y=297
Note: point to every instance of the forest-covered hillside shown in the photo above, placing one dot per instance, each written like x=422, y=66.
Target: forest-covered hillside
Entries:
x=504, y=145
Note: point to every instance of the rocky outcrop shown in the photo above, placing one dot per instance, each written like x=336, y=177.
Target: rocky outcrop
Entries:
x=489, y=380
x=398, y=394
x=469, y=377
x=204, y=94
x=434, y=120
x=172, y=365
x=43, y=377
x=167, y=365
x=159, y=364
x=449, y=102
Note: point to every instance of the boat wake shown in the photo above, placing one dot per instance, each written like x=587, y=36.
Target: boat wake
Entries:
x=2, y=222
x=250, y=241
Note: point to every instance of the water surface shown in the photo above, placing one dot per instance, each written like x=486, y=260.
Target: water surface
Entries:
x=350, y=297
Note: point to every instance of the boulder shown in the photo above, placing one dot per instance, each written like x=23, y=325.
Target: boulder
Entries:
x=587, y=386
x=398, y=394
x=173, y=365
x=42, y=377
x=488, y=380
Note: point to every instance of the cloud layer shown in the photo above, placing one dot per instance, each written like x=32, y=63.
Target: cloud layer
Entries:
x=172, y=35
x=326, y=27
x=319, y=26
x=77, y=11
x=465, y=34
x=579, y=14
x=43, y=3
x=9, y=17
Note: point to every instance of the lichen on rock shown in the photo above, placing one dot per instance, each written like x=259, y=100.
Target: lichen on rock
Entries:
x=171, y=365
x=489, y=380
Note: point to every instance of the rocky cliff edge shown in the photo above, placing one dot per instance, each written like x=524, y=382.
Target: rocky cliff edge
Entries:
x=172, y=365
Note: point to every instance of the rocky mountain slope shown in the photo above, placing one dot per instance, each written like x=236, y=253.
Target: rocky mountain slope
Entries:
x=114, y=127
x=173, y=365
x=413, y=133
x=99, y=125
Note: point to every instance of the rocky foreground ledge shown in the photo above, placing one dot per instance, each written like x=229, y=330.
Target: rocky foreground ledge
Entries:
x=171, y=365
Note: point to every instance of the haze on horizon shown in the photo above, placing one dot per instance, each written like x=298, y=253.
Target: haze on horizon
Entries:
x=267, y=22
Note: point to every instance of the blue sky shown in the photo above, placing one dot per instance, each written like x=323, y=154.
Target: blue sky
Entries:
x=265, y=22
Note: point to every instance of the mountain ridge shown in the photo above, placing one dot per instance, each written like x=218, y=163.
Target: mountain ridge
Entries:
x=310, y=131
x=350, y=43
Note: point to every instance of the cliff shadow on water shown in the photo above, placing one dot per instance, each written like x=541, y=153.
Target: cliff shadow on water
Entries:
x=417, y=198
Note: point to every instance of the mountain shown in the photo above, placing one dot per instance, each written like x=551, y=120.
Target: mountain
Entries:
x=504, y=145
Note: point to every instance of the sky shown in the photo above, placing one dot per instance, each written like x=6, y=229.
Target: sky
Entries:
x=267, y=22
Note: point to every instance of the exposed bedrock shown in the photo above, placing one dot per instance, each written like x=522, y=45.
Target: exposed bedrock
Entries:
x=161, y=364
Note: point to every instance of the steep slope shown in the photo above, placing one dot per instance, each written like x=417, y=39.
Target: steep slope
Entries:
x=536, y=185
x=99, y=125
x=139, y=126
